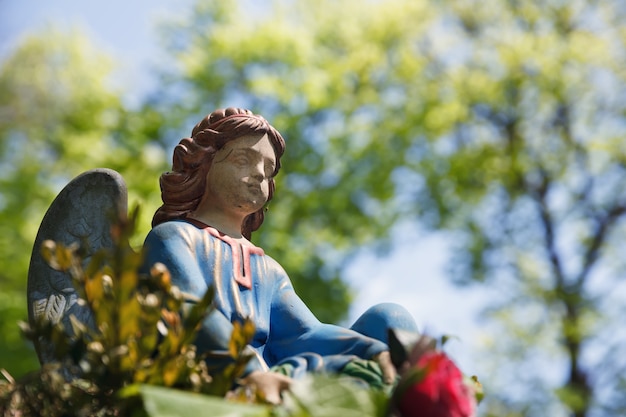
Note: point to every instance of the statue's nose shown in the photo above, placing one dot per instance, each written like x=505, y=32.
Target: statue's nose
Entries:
x=258, y=172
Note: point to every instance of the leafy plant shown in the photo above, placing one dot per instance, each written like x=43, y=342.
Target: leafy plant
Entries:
x=141, y=332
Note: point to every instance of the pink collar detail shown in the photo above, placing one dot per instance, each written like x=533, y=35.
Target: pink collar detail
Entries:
x=241, y=253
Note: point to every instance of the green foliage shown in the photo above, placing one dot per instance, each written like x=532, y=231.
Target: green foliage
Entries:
x=315, y=396
x=46, y=115
x=141, y=332
x=161, y=402
x=537, y=219
x=328, y=396
x=60, y=116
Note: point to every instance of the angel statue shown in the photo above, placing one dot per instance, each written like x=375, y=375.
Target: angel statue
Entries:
x=214, y=198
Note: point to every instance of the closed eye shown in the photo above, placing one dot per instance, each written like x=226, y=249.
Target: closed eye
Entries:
x=239, y=159
x=270, y=165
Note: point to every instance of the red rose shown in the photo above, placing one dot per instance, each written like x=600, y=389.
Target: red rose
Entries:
x=438, y=392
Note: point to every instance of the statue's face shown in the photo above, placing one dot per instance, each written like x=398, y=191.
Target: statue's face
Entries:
x=238, y=180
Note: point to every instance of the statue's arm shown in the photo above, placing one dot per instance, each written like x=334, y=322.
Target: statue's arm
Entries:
x=169, y=244
x=295, y=330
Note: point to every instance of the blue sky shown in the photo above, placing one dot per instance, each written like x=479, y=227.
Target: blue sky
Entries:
x=411, y=275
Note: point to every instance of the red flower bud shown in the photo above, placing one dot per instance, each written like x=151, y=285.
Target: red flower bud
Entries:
x=438, y=392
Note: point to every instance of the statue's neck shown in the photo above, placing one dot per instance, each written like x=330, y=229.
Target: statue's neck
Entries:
x=227, y=224
x=227, y=233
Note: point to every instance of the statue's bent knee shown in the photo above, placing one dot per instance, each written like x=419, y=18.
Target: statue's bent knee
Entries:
x=379, y=318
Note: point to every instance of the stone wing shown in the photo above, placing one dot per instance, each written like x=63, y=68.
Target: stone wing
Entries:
x=82, y=213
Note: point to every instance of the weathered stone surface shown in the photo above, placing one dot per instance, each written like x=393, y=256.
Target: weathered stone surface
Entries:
x=82, y=213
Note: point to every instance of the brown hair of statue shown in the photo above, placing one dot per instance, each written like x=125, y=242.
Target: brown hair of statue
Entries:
x=182, y=188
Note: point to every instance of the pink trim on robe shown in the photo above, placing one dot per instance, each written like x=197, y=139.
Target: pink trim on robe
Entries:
x=243, y=276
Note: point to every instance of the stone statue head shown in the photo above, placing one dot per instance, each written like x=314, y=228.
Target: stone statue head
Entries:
x=183, y=187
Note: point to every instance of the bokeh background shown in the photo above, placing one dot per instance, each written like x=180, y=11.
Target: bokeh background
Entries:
x=465, y=159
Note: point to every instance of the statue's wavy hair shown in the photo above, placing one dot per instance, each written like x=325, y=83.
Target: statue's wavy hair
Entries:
x=182, y=188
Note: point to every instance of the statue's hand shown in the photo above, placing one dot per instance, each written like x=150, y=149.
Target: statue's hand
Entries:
x=386, y=366
x=269, y=385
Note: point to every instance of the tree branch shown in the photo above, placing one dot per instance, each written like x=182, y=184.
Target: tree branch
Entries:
x=540, y=193
x=603, y=227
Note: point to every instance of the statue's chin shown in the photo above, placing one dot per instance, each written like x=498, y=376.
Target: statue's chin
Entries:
x=254, y=200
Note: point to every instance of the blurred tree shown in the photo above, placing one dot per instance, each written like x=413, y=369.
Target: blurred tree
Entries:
x=59, y=116
x=502, y=121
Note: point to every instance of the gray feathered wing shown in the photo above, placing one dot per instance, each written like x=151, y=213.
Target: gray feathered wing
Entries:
x=82, y=213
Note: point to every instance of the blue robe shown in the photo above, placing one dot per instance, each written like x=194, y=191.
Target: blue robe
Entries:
x=250, y=284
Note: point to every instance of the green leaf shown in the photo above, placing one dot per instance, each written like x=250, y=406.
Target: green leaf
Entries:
x=164, y=402
x=477, y=387
x=326, y=396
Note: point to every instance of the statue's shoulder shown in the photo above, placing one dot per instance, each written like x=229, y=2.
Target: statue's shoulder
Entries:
x=173, y=229
x=273, y=265
x=271, y=261
x=176, y=235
